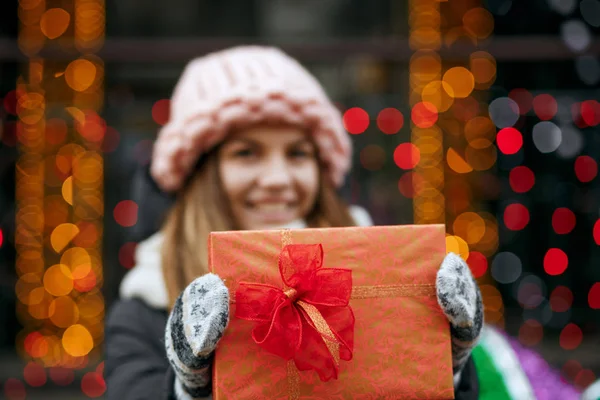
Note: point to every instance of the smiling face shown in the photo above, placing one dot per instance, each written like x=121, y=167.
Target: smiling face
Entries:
x=270, y=175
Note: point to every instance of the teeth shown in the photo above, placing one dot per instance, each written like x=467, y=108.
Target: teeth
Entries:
x=272, y=207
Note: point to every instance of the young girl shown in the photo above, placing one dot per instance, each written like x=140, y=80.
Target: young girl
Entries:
x=254, y=143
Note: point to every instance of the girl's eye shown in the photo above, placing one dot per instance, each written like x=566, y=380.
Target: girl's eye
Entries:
x=243, y=153
x=301, y=153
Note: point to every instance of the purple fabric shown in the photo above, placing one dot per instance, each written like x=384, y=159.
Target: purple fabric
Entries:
x=545, y=381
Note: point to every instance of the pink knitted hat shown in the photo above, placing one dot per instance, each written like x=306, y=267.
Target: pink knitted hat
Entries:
x=238, y=87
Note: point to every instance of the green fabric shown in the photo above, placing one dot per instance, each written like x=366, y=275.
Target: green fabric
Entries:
x=491, y=383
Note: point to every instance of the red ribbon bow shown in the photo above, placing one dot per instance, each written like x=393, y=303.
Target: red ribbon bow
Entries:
x=311, y=321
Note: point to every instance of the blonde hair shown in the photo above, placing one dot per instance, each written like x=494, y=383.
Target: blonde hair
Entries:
x=202, y=207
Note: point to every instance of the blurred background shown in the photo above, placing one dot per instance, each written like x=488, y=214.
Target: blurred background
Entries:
x=482, y=114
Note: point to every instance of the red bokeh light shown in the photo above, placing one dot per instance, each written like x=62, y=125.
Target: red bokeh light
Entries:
x=545, y=106
x=56, y=131
x=93, y=385
x=61, y=376
x=34, y=374
x=516, y=217
x=563, y=221
x=478, y=264
x=523, y=98
x=521, y=179
x=100, y=369
x=408, y=182
x=596, y=232
x=555, y=261
x=36, y=345
x=531, y=333
x=14, y=389
x=94, y=127
x=424, y=114
x=571, y=337
x=509, y=140
x=356, y=120
x=1, y=237
x=585, y=378
x=126, y=213
x=10, y=102
x=586, y=168
x=161, y=111
x=111, y=140
x=127, y=254
x=86, y=283
x=465, y=109
x=594, y=296
x=390, y=121
x=570, y=369
x=561, y=299
x=590, y=112
x=407, y=156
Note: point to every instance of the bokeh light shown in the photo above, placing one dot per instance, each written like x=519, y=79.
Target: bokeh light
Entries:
x=127, y=254
x=478, y=22
x=390, y=121
x=62, y=235
x=457, y=163
x=58, y=280
x=356, y=120
x=126, y=213
x=586, y=168
x=34, y=374
x=80, y=74
x=372, y=157
x=506, y=267
x=594, y=296
x=509, y=140
x=556, y=261
x=504, y=112
x=410, y=183
x=14, y=389
x=161, y=111
x=424, y=114
x=469, y=226
x=461, y=81
x=480, y=132
x=438, y=93
x=77, y=340
x=531, y=333
x=93, y=385
x=478, y=264
x=483, y=68
x=54, y=22
x=563, y=221
x=406, y=155
x=516, y=216
x=545, y=106
x=561, y=299
x=61, y=376
x=523, y=98
x=457, y=245
x=546, y=136
x=571, y=337
x=521, y=179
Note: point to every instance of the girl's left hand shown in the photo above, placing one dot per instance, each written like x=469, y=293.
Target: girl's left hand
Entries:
x=460, y=299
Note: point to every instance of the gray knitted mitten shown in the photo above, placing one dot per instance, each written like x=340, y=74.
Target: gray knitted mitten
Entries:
x=460, y=299
x=196, y=323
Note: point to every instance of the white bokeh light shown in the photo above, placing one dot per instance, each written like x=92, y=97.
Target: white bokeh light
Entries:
x=546, y=136
x=504, y=112
x=588, y=69
x=571, y=142
x=506, y=267
x=564, y=7
x=590, y=11
x=576, y=35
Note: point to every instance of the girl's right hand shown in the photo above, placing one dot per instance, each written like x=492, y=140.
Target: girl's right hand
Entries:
x=196, y=323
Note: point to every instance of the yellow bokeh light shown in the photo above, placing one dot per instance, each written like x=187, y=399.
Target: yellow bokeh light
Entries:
x=39, y=303
x=457, y=163
x=424, y=67
x=30, y=261
x=480, y=132
x=63, y=312
x=62, y=236
x=91, y=305
x=25, y=285
x=433, y=93
x=67, y=190
x=460, y=80
x=54, y=22
x=78, y=260
x=31, y=107
x=481, y=159
x=80, y=74
x=77, y=341
x=470, y=226
x=58, y=280
x=455, y=244
x=87, y=169
x=77, y=114
x=478, y=22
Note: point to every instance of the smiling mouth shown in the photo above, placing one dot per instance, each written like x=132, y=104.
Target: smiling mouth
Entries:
x=273, y=212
